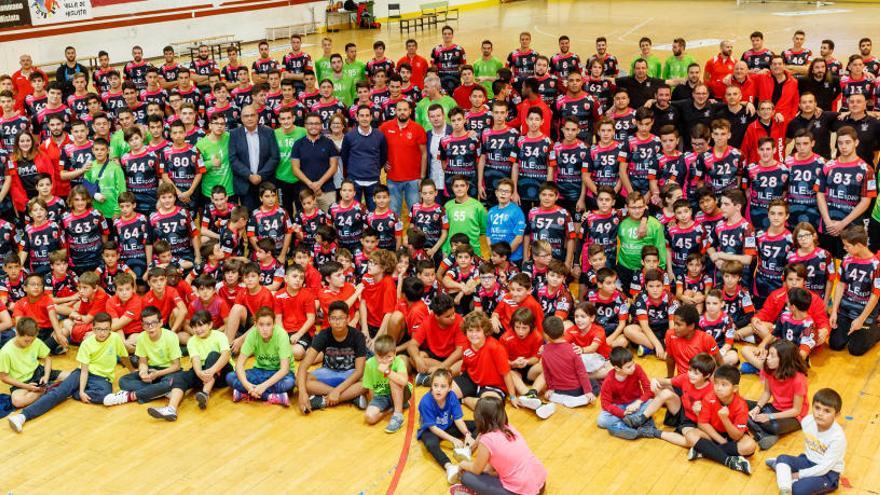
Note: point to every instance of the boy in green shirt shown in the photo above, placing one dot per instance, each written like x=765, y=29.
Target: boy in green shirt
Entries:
x=20, y=366
x=158, y=352
x=353, y=69
x=466, y=215
x=271, y=378
x=286, y=134
x=486, y=68
x=387, y=385
x=214, y=149
x=344, y=79
x=636, y=231
x=109, y=178
x=322, y=65
x=209, y=354
x=91, y=383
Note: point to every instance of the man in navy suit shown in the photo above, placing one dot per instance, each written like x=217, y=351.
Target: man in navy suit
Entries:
x=253, y=155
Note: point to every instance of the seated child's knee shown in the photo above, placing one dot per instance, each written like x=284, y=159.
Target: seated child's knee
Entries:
x=746, y=445
x=372, y=415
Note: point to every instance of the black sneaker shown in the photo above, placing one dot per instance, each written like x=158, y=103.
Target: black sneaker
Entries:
x=634, y=420
x=317, y=402
x=532, y=393
x=649, y=431
x=422, y=379
x=739, y=463
x=767, y=441
x=202, y=399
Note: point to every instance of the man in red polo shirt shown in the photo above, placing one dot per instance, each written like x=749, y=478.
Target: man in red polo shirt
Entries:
x=407, y=156
x=418, y=63
x=21, y=81
x=718, y=67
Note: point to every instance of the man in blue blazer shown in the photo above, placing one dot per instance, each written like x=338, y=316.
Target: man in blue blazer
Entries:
x=253, y=156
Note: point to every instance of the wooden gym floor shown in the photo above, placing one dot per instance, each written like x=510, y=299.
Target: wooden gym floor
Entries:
x=257, y=448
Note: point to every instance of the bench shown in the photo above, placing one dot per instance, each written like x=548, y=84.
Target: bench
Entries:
x=216, y=44
x=440, y=10
x=302, y=29
x=338, y=18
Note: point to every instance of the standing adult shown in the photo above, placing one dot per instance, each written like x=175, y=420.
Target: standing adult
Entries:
x=439, y=130
x=364, y=153
x=719, y=67
x=407, y=156
x=69, y=68
x=21, y=81
x=214, y=149
x=486, y=67
x=675, y=68
x=639, y=86
x=253, y=155
x=432, y=95
x=418, y=63
x=314, y=160
x=815, y=120
x=655, y=66
x=822, y=83
x=780, y=87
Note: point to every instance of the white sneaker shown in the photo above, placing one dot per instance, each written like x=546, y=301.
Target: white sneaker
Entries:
x=118, y=398
x=462, y=454
x=16, y=422
x=568, y=400
x=532, y=403
x=546, y=410
x=453, y=473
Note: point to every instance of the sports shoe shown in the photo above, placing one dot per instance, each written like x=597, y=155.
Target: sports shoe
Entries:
x=532, y=403
x=546, y=410
x=16, y=422
x=317, y=402
x=634, y=420
x=649, y=431
x=643, y=351
x=118, y=398
x=167, y=413
x=786, y=490
x=461, y=453
x=422, y=379
x=459, y=489
x=532, y=393
x=202, y=399
x=239, y=396
x=361, y=402
x=767, y=441
x=770, y=462
x=693, y=455
x=453, y=474
x=281, y=399
x=395, y=424
x=739, y=463
x=748, y=369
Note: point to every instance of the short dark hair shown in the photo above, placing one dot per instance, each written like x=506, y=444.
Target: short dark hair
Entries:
x=441, y=304
x=553, y=327
x=728, y=373
x=703, y=363
x=800, y=298
x=338, y=306
x=688, y=314
x=828, y=397
x=620, y=356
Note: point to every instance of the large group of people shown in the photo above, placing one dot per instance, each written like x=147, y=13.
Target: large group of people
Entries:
x=330, y=218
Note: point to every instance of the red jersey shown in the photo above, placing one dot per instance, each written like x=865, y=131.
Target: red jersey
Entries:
x=229, y=294
x=217, y=307
x=380, y=298
x=97, y=304
x=487, y=365
x=783, y=392
x=327, y=295
x=594, y=335
x=440, y=341
x=130, y=309
x=738, y=413
x=295, y=309
x=507, y=306
x=682, y=350
x=37, y=309
x=691, y=394
x=527, y=347
x=253, y=302
x=165, y=304
x=414, y=314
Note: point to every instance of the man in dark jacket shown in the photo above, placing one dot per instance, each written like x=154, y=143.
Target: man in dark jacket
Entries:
x=253, y=156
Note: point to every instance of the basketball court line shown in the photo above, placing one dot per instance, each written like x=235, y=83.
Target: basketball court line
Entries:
x=811, y=12
x=407, y=442
x=633, y=29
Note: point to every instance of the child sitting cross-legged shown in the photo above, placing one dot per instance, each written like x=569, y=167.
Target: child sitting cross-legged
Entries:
x=271, y=378
x=564, y=371
x=626, y=392
x=20, y=368
x=683, y=407
x=387, y=384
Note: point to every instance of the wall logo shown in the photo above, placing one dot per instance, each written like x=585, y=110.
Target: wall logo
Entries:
x=57, y=11
x=44, y=8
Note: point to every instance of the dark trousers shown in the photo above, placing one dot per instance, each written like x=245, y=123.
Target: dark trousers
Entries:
x=149, y=391
x=782, y=426
x=486, y=484
x=97, y=387
x=857, y=343
x=364, y=195
x=814, y=485
x=718, y=452
x=288, y=196
x=432, y=441
x=189, y=380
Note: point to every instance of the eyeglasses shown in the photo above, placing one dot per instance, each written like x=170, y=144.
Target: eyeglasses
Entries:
x=150, y=324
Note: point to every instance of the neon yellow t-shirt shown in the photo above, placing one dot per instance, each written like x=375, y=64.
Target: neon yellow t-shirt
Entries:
x=376, y=381
x=159, y=353
x=268, y=354
x=198, y=347
x=101, y=357
x=20, y=363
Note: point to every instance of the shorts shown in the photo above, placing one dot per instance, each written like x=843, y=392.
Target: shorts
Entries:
x=373, y=331
x=384, y=402
x=570, y=393
x=39, y=371
x=660, y=332
x=331, y=378
x=427, y=350
x=679, y=420
x=305, y=341
x=79, y=331
x=593, y=362
x=523, y=373
x=470, y=389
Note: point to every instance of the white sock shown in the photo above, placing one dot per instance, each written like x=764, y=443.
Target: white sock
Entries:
x=783, y=476
x=569, y=401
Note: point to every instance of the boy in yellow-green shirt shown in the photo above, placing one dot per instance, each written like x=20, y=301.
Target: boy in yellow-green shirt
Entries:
x=91, y=383
x=20, y=366
x=158, y=352
x=209, y=353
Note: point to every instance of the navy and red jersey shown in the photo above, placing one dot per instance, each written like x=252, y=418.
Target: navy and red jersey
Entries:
x=136, y=72
x=307, y=225
x=142, y=178
x=487, y=299
x=7, y=239
x=548, y=88
x=139, y=112
x=10, y=128
x=799, y=58
x=133, y=235
x=735, y=238
x=42, y=120
x=800, y=332
x=412, y=92
x=231, y=243
x=327, y=109
x=820, y=268
x=386, y=111
x=191, y=95
x=107, y=274
x=773, y=252
x=722, y=328
x=64, y=286
x=844, y=184
x=501, y=150
x=584, y=108
x=33, y=105
x=642, y=155
x=159, y=96
x=38, y=242
x=77, y=105
x=459, y=154
x=297, y=63
x=264, y=65
x=802, y=178
x=177, y=228
x=265, y=116
x=601, y=90
x=656, y=312
x=323, y=255
x=757, y=59
x=271, y=273
x=720, y=173
x=379, y=96
x=674, y=168
x=738, y=305
x=538, y=275
x=536, y=156
x=431, y=220
x=26, y=171
x=388, y=226
x=559, y=302
x=553, y=225
x=230, y=72
x=872, y=65
x=766, y=183
x=169, y=72
x=205, y=67
x=684, y=240
x=570, y=159
x=193, y=135
x=375, y=65
x=522, y=63
x=478, y=121
x=861, y=278
x=600, y=228
x=230, y=112
x=85, y=234
x=273, y=100
x=610, y=311
x=708, y=221
x=101, y=79
x=349, y=223
x=563, y=64
x=299, y=112
x=75, y=157
x=113, y=102
x=702, y=283
x=12, y=290
x=215, y=271
x=624, y=124
x=182, y=165
x=609, y=64
x=213, y=219
x=242, y=96
x=273, y=224
x=448, y=59
x=849, y=86
x=603, y=163
x=308, y=99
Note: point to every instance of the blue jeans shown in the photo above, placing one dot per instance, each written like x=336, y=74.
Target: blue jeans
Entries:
x=258, y=376
x=331, y=378
x=365, y=193
x=408, y=190
x=147, y=392
x=615, y=426
x=97, y=387
x=813, y=485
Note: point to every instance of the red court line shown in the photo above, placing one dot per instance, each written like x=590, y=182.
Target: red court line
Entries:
x=404, y=452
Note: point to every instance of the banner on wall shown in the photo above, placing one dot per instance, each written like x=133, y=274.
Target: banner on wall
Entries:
x=59, y=11
x=15, y=13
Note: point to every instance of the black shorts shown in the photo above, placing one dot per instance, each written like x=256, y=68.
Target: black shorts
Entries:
x=470, y=389
x=37, y=376
x=373, y=331
x=678, y=421
x=660, y=332
x=427, y=350
x=523, y=372
x=305, y=341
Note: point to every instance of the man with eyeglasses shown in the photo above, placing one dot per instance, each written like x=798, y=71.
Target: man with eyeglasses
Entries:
x=214, y=149
x=314, y=161
x=253, y=156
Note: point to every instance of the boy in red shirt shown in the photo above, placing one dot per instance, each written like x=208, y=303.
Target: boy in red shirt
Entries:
x=723, y=433
x=247, y=303
x=125, y=308
x=682, y=396
x=167, y=301
x=295, y=310
x=409, y=314
x=302, y=256
x=231, y=286
x=626, y=391
x=92, y=300
x=380, y=293
x=519, y=295
x=337, y=289
x=438, y=341
x=523, y=344
x=485, y=370
x=207, y=300
x=37, y=304
x=686, y=340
